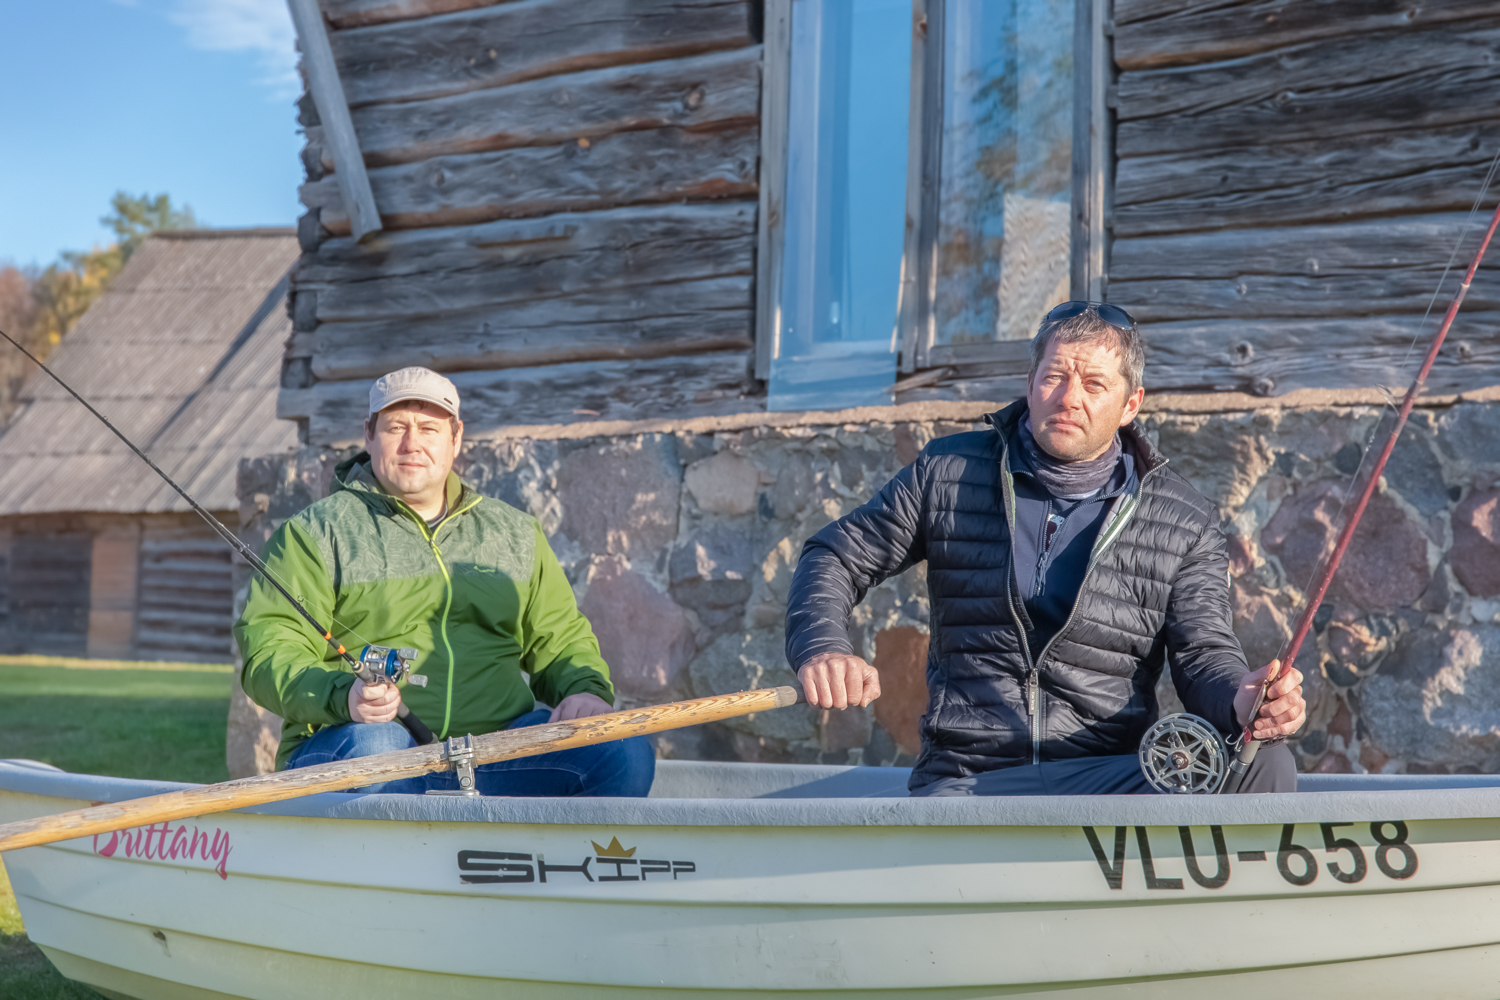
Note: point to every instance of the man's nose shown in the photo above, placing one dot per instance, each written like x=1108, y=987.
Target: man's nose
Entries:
x=1073, y=393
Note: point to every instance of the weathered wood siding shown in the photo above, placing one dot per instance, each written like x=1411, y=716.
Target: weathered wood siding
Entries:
x=49, y=592
x=186, y=603
x=1290, y=181
x=568, y=189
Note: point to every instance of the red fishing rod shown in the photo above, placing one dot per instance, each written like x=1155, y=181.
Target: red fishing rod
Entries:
x=373, y=665
x=1319, y=587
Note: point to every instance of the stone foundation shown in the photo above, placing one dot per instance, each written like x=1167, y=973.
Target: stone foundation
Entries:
x=680, y=540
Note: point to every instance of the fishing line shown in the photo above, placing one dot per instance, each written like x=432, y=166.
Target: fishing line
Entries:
x=1391, y=401
x=1247, y=745
x=214, y=523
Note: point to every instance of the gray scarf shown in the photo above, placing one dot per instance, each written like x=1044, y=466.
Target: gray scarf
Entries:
x=1068, y=480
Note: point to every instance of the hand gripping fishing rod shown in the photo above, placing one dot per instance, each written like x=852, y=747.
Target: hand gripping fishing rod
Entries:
x=375, y=664
x=1248, y=747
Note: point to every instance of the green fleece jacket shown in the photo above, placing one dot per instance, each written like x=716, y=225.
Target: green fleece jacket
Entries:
x=482, y=598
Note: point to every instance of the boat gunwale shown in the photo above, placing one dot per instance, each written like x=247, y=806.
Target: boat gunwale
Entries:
x=1445, y=798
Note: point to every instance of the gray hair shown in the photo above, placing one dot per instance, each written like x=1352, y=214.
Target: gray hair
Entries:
x=1087, y=327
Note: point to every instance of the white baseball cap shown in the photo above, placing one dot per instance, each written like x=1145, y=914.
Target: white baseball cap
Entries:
x=413, y=383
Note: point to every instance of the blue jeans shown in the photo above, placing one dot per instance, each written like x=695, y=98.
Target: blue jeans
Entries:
x=623, y=767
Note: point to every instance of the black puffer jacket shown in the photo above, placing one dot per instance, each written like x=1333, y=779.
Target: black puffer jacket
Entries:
x=1158, y=584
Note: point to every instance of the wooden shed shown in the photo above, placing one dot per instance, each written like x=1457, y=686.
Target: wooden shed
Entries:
x=616, y=209
x=681, y=256
x=98, y=556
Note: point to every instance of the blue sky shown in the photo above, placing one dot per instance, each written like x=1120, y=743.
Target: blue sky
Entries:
x=191, y=97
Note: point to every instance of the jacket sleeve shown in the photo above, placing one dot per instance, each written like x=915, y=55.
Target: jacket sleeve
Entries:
x=1207, y=662
x=840, y=564
x=561, y=652
x=289, y=668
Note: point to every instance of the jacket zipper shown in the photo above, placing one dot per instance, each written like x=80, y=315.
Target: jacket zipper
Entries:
x=1114, y=524
x=447, y=605
x=1033, y=680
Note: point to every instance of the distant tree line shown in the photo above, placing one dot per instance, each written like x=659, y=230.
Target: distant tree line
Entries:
x=39, y=305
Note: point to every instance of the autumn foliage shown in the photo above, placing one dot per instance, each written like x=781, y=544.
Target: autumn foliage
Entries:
x=38, y=306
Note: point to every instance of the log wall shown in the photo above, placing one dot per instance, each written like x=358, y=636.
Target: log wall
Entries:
x=1290, y=180
x=568, y=191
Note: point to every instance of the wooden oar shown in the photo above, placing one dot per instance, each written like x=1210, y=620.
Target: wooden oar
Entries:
x=360, y=771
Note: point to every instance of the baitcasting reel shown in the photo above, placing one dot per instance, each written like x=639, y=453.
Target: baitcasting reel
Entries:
x=384, y=665
x=1184, y=754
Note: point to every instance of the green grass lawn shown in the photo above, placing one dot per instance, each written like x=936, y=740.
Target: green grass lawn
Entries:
x=145, y=722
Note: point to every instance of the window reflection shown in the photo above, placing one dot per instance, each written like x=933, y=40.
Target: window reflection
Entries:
x=835, y=339
x=1004, y=219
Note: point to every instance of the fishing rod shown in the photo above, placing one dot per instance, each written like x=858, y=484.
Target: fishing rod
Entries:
x=1183, y=753
x=374, y=665
x=1248, y=747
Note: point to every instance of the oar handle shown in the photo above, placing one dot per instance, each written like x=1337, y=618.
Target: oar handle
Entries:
x=507, y=744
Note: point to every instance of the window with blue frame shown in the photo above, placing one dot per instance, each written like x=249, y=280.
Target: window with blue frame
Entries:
x=845, y=203
x=928, y=187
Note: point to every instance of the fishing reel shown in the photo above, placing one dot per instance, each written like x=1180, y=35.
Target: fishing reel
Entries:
x=385, y=665
x=1184, y=755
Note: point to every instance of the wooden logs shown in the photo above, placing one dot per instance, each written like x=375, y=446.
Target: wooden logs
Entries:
x=333, y=111
x=1347, y=249
x=507, y=744
x=1361, y=85
x=427, y=272
x=653, y=167
x=645, y=282
x=1376, y=267
x=696, y=385
x=1310, y=181
x=718, y=90
x=1150, y=33
x=628, y=323
x=493, y=46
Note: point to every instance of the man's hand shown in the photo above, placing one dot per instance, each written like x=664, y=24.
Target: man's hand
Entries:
x=579, y=706
x=1283, y=711
x=373, y=702
x=838, y=680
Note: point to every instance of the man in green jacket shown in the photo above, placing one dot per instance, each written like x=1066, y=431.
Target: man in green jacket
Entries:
x=404, y=553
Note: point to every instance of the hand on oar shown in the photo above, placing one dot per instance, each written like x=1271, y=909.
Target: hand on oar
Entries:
x=838, y=680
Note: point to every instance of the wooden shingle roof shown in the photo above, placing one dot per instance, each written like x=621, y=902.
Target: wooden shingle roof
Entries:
x=183, y=353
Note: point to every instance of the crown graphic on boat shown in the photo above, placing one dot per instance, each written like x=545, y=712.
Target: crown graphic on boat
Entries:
x=614, y=850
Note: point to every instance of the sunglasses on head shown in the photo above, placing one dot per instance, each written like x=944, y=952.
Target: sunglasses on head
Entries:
x=1113, y=315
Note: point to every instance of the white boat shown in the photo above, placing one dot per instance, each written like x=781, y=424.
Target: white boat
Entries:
x=745, y=880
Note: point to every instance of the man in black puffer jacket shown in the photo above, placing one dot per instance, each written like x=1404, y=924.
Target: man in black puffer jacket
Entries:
x=1066, y=564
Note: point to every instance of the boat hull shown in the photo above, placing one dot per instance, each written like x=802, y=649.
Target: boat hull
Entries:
x=353, y=896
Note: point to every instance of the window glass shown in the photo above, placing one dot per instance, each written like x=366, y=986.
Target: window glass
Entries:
x=835, y=335
x=1003, y=241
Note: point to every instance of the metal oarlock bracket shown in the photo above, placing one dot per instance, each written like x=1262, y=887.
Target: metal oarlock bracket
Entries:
x=460, y=756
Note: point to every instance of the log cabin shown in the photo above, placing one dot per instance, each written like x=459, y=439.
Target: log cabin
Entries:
x=99, y=557
x=708, y=272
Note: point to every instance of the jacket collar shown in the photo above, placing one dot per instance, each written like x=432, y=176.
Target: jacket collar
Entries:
x=1132, y=439
x=356, y=476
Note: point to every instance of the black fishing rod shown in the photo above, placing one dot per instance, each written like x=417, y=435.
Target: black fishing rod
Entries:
x=374, y=665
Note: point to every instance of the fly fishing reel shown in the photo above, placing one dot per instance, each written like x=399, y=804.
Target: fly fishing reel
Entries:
x=1184, y=754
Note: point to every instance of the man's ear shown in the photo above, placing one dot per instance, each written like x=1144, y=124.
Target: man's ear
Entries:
x=1133, y=405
